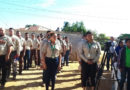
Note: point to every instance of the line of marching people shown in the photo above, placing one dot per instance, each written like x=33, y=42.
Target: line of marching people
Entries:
x=50, y=52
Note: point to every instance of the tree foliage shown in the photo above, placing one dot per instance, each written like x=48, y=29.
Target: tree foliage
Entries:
x=124, y=36
x=75, y=27
x=79, y=27
x=102, y=38
x=29, y=25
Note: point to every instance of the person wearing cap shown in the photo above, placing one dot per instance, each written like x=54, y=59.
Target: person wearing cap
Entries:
x=15, y=51
x=22, y=51
x=89, y=54
x=35, y=45
x=28, y=46
x=5, y=50
x=51, y=59
x=125, y=65
x=68, y=46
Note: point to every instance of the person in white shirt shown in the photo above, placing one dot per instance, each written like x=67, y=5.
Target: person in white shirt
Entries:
x=35, y=45
x=68, y=46
x=111, y=51
x=28, y=46
x=38, y=50
x=5, y=50
x=22, y=51
x=15, y=51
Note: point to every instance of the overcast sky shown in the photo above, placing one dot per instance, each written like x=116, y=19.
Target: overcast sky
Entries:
x=111, y=17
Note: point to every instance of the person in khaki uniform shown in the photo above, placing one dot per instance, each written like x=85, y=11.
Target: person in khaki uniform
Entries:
x=51, y=59
x=28, y=46
x=68, y=46
x=35, y=45
x=5, y=50
x=15, y=52
x=89, y=53
x=42, y=43
x=63, y=50
x=38, y=50
x=22, y=51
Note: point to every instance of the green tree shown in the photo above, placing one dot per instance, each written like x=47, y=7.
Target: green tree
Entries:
x=75, y=27
x=124, y=36
x=28, y=25
x=66, y=27
x=102, y=38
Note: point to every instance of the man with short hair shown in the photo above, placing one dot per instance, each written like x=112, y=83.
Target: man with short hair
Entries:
x=68, y=46
x=89, y=54
x=62, y=48
x=125, y=65
x=15, y=51
x=22, y=51
x=5, y=50
x=28, y=46
x=38, y=50
x=42, y=44
x=111, y=51
x=35, y=45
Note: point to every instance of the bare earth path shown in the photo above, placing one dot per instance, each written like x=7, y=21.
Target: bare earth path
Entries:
x=68, y=79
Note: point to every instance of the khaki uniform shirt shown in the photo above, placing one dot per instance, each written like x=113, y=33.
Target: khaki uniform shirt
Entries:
x=28, y=44
x=68, y=45
x=35, y=43
x=22, y=43
x=47, y=49
x=5, y=42
x=42, y=44
x=16, y=43
x=79, y=47
x=39, y=44
x=87, y=53
x=62, y=45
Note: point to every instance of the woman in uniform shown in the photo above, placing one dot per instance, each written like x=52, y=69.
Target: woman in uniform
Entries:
x=51, y=59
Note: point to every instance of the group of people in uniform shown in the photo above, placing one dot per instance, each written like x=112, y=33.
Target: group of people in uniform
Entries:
x=49, y=52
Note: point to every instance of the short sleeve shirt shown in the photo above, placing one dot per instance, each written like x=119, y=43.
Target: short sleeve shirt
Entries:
x=68, y=45
x=16, y=43
x=52, y=52
x=28, y=44
x=5, y=42
x=35, y=43
x=22, y=43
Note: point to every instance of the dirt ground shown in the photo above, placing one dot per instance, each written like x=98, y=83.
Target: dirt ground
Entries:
x=68, y=79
